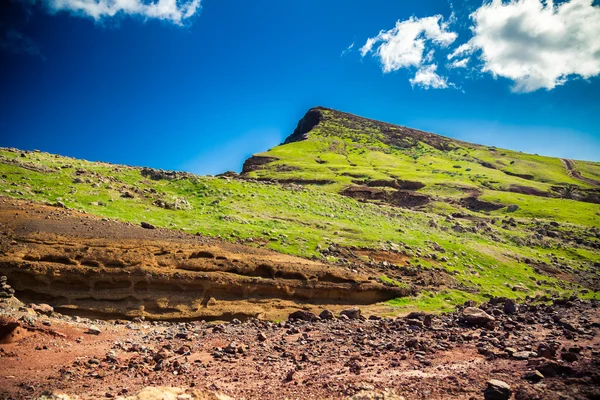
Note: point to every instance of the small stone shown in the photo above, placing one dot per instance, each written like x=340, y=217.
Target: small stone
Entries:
x=534, y=376
x=290, y=375
x=428, y=321
x=93, y=330
x=147, y=225
x=162, y=355
x=523, y=355
x=261, y=336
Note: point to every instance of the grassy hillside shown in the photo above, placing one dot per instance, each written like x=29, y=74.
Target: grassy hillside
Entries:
x=342, y=150
x=548, y=246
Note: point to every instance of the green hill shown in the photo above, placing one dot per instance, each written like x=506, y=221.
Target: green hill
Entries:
x=349, y=154
x=493, y=222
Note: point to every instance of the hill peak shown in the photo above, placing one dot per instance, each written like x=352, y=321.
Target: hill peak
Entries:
x=350, y=126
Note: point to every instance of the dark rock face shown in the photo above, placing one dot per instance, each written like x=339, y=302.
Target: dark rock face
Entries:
x=255, y=162
x=305, y=125
x=393, y=183
x=392, y=135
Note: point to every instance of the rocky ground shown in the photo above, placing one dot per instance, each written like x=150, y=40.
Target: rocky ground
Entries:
x=499, y=350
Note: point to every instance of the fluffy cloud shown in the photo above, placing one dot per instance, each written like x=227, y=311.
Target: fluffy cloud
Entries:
x=169, y=10
x=427, y=78
x=410, y=44
x=459, y=63
x=537, y=45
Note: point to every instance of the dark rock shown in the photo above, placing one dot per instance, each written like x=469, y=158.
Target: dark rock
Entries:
x=570, y=357
x=351, y=313
x=147, y=225
x=497, y=390
x=510, y=306
x=553, y=368
x=326, y=315
x=534, y=376
x=302, y=315
x=529, y=392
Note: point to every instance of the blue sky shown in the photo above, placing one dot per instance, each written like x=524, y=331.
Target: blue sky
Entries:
x=202, y=85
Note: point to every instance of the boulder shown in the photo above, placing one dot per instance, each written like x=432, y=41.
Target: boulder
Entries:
x=351, y=313
x=302, y=315
x=511, y=307
x=42, y=308
x=476, y=316
x=326, y=315
x=497, y=390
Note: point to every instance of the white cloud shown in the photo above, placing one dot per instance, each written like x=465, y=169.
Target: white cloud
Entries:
x=427, y=78
x=347, y=49
x=461, y=50
x=537, y=45
x=404, y=45
x=459, y=63
x=169, y=10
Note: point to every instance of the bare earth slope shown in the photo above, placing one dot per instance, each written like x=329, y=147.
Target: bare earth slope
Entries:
x=102, y=268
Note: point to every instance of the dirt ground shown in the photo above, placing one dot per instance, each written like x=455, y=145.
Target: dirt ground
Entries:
x=542, y=352
x=128, y=309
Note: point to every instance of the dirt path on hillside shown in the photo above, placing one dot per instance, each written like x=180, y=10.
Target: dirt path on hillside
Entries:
x=574, y=173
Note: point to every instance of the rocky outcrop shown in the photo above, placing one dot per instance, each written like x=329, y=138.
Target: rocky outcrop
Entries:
x=398, y=198
x=131, y=272
x=305, y=125
x=256, y=162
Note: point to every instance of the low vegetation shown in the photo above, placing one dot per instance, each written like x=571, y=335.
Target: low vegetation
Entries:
x=497, y=222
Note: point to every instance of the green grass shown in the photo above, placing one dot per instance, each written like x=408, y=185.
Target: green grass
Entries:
x=444, y=301
x=299, y=220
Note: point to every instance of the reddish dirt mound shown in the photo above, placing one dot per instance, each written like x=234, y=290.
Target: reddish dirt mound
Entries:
x=11, y=331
